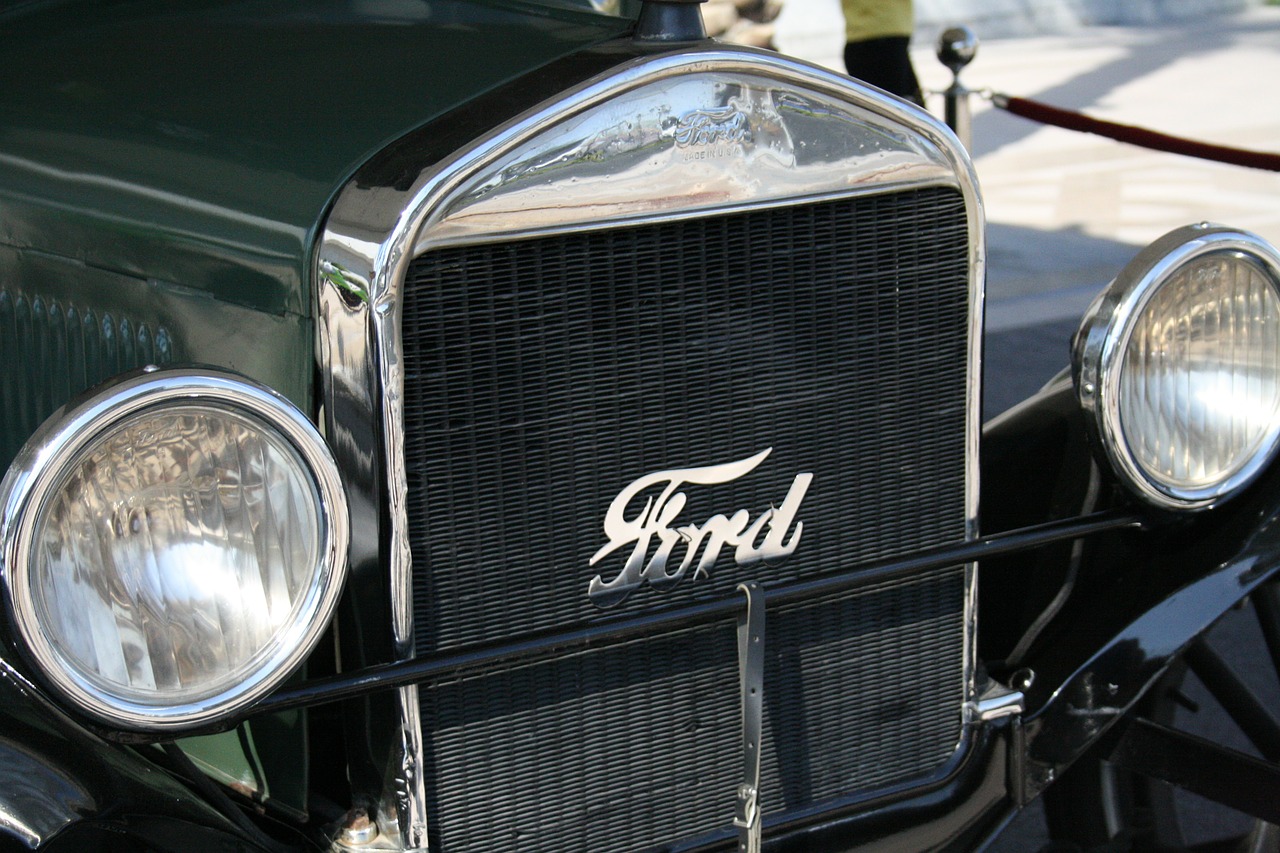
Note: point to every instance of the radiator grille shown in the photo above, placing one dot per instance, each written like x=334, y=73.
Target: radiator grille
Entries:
x=627, y=748
x=544, y=376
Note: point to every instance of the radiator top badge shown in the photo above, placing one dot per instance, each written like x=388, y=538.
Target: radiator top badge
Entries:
x=716, y=126
x=655, y=533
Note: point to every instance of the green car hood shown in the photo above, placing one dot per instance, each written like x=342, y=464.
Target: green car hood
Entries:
x=199, y=144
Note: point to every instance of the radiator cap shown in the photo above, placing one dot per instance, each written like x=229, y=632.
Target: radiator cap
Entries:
x=668, y=21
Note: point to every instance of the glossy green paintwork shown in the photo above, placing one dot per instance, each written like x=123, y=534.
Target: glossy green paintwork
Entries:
x=160, y=154
x=199, y=143
x=53, y=344
x=165, y=168
x=264, y=759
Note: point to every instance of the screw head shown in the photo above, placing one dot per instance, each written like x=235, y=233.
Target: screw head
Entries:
x=358, y=828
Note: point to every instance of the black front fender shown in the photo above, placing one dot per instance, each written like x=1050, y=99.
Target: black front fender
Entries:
x=1087, y=627
x=63, y=788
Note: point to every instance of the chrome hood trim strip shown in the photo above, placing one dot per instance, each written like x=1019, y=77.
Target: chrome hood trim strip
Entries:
x=671, y=140
x=665, y=137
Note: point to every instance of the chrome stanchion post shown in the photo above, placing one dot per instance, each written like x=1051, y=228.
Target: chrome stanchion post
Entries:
x=957, y=46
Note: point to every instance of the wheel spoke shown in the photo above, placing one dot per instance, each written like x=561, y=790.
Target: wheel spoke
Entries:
x=1223, y=775
x=1266, y=603
x=1265, y=838
x=1250, y=714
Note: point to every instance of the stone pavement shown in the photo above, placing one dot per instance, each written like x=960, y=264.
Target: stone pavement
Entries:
x=1067, y=210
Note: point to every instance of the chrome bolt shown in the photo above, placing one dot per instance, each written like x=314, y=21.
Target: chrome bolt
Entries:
x=358, y=829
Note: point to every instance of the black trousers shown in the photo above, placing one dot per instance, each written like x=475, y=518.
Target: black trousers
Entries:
x=884, y=62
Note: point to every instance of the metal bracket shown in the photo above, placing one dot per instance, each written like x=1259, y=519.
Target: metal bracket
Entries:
x=999, y=701
x=751, y=626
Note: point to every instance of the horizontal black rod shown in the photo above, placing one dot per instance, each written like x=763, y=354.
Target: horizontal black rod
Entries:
x=543, y=647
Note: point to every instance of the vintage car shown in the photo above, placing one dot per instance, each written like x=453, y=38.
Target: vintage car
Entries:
x=482, y=425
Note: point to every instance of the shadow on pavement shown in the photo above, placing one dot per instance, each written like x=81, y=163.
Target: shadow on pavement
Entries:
x=1023, y=261
x=1019, y=362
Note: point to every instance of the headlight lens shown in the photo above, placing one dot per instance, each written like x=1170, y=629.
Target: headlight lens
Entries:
x=1179, y=362
x=173, y=547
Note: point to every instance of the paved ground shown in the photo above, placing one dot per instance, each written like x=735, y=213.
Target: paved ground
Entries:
x=1067, y=210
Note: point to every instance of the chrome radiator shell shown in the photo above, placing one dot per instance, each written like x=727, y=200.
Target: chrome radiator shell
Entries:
x=660, y=140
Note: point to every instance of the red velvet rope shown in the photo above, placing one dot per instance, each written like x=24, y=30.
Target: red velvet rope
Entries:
x=1046, y=114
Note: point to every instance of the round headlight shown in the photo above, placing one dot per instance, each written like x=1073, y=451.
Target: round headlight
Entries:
x=1179, y=363
x=173, y=547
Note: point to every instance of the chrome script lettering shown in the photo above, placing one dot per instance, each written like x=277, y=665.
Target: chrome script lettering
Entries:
x=655, y=529
x=707, y=127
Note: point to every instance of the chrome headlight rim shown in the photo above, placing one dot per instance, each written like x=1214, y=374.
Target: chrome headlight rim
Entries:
x=1107, y=330
x=41, y=469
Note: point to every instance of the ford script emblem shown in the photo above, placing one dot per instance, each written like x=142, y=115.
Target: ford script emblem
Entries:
x=720, y=126
x=657, y=536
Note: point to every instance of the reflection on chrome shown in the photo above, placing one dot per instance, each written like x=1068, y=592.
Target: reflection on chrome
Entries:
x=174, y=551
x=46, y=797
x=1211, y=374
x=600, y=156
x=1179, y=363
x=173, y=546
x=657, y=528
x=728, y=137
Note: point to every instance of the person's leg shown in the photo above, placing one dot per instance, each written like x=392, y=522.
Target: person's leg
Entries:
x=884, y=62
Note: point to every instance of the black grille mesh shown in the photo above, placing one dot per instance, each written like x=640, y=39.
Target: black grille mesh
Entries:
x=544, y=376
x=633, y=746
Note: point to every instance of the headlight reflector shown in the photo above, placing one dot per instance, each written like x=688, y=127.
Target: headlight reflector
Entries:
x=174, y=546
x=1179, y=362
